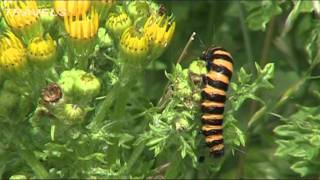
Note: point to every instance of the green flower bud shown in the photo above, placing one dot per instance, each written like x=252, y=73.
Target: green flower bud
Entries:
x=118, y=23
x=183, y=89
x=66, y=85
x=182, y=124
x=66, y=81
x=47, y=15
x=87, y=85
x=196, y=97
x=73, y=114
x=78, y=84
x=198, y=67
x=138, y=9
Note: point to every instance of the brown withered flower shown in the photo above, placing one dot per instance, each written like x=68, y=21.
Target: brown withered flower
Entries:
x=52, y=93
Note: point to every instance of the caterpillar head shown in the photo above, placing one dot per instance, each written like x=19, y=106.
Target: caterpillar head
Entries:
x=207, y=55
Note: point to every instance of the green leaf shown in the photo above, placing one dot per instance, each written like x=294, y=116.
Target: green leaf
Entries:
x=299, y=7
x=303, y=168
x=155, y=141
x=286, y=130
x=243, y=76
x=285, y=147
x=259, y=17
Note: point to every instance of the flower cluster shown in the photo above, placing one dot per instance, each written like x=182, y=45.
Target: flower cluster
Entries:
x=53, y=67
x=22, y=17
x=144, y=32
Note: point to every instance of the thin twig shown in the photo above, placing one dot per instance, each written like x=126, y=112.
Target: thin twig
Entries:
x=186, y=47
x=166, y=94
x=267, y=42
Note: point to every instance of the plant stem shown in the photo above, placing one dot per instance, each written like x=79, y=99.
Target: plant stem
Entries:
x=134, y=157
x=83, y=62
x=245, y=34
x=105, y=105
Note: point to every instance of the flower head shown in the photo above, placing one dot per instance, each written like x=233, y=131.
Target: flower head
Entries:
x=118, y=23
x=159, y=30
x=42, y=51
x=52, y=93
x=82, y=30
x=133, y=45
x=19, y=14
x=82, y=26
x=12, y=53
x=71, y=7
x=22, y=17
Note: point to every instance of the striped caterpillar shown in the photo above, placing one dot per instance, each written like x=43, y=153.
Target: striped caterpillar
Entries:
x=213, y=94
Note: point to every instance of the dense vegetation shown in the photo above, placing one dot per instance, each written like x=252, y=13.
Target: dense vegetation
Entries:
x=118, y=95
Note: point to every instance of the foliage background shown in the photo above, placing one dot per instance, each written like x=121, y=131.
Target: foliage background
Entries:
x=272, y=130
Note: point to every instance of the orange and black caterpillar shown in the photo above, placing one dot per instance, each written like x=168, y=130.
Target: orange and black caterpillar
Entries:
x=213, y=94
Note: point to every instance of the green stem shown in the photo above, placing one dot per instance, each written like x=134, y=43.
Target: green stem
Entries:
x=119, y=90
x=105, y=106
x=287, y=94
x=83, y=62
x=245, y=34
x=282, y=100
x=134, y=157
x=172, y=171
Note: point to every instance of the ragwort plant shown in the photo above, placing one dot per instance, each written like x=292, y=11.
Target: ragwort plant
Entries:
x=78, y=98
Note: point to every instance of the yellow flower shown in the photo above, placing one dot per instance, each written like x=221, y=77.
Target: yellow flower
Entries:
x=82, y=30
x=82, y=27
x=133, y=45
x=19, y=14
x=22, y=17
x=159, y=30
x=42, y=51
x=12, y=54
x=118, y=23
x=71, y=7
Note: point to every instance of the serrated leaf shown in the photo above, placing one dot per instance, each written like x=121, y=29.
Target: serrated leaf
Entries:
x=259, y=17
x=243, y=76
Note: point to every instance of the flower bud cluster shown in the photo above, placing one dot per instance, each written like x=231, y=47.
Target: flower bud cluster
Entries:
x=68, y=100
